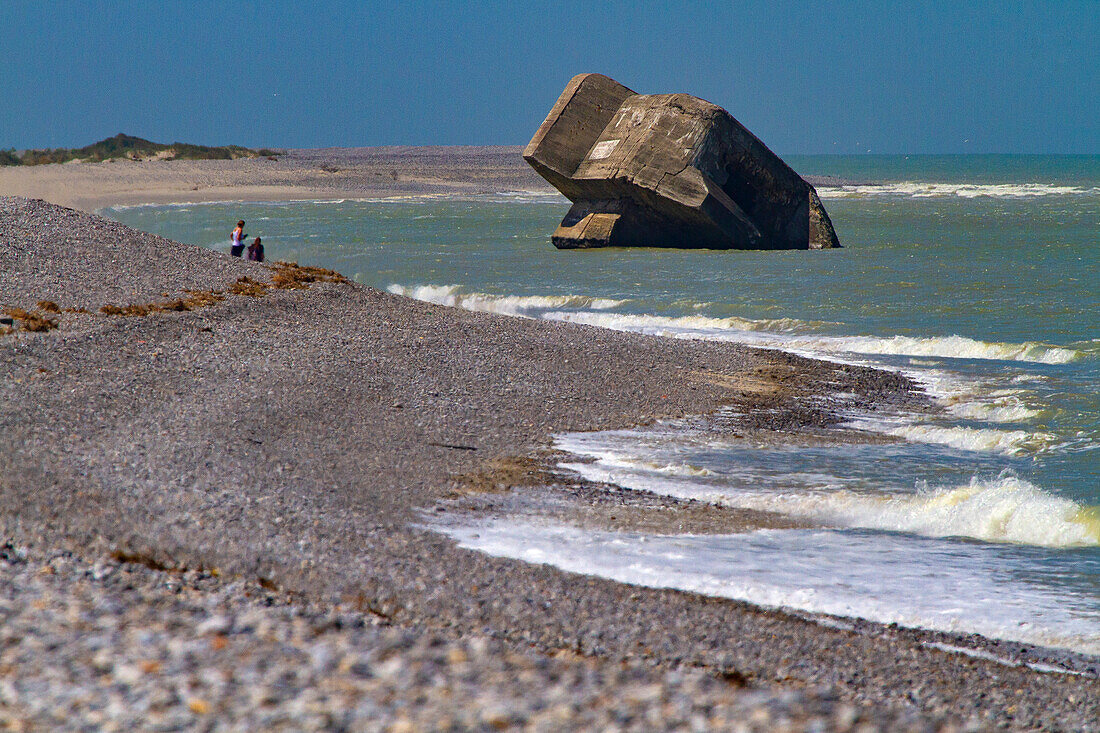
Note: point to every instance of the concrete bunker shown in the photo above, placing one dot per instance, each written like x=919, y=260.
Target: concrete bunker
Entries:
x=668, y=170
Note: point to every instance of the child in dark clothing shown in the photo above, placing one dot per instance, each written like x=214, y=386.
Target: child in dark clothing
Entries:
x=256, y=251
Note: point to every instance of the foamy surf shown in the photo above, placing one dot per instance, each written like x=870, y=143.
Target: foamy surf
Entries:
x=973, y=398
x=702, y=327
x=787, y=336
x=956, y=347
x=959, y=437
x=914, y=189
x=527, y=306
x=783, y=333
x=914, y=582
x=1006, y=509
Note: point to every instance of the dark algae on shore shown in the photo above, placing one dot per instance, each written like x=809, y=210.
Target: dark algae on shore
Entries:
x=294, y=442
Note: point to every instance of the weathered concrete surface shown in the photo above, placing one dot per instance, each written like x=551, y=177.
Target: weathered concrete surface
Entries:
x=669, y=170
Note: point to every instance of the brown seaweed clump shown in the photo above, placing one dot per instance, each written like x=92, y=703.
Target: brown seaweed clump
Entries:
x=285, y=276
x=196, y=299
x=292, y=276
x=247, y=286
x=31, y=320
x=49, y=306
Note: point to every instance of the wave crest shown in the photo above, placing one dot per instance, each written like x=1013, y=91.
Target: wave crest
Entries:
x=981, y=440
x=527, y=306
x=915, y=189
x=1005, y=509
x=781, y=333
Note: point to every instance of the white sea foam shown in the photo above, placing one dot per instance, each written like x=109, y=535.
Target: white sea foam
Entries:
x=683, y=326
x=973, y=398
x=513, y=305
x=610, y=461
x=783, y=333
x=1004, y=509
x=999, y=411
x=1006, y=661
x=914, y=582
x=956, y=347
x=528, y=197
x=960, y=437
x=913, y=189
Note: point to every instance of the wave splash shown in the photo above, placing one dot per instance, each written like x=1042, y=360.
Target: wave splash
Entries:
x=1005, y=509
x=914, y=189
x=960, y=437
x=527, y=306
x=784, y=333
x=910, y=581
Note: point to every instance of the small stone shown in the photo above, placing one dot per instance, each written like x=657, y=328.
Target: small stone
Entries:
x=213, y=625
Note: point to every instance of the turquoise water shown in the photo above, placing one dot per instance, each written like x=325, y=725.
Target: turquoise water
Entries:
x=977, y=276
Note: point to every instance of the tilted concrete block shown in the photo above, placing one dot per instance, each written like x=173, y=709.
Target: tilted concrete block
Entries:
x=668, y=170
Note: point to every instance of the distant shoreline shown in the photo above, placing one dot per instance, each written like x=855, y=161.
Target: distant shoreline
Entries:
x=297, y=175
x=305, y=175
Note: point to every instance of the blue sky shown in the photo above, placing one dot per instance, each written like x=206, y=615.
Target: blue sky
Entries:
x=843, y=77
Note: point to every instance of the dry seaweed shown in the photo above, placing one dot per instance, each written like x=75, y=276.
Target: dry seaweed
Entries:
x=49, y=306
x=196, y=299
x=285, y=276
x=129, y=310
x=203, y=298
x=31, y=321
x=247, y=286
x=292, y=276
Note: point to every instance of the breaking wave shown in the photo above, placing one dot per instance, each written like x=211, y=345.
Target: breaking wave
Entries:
x=528, y=306
x=782, y=333
x=681, y=326
x=958, y=347
x=890, y=579
x=960, y=437
x=913, y=189
x=787, y=336
x=1004, y=509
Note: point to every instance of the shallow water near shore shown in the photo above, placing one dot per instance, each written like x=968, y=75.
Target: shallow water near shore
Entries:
x=976, y=276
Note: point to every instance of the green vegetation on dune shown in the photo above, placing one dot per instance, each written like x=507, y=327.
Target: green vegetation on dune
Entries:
x=130, y=148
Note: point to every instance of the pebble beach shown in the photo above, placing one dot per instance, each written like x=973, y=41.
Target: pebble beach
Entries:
x=215, y=509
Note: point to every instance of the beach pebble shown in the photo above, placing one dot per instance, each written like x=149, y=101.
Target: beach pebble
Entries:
x=161, y=658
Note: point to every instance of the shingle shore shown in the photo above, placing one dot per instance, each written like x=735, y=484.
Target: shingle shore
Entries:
x=291, y=440
x=121, y=646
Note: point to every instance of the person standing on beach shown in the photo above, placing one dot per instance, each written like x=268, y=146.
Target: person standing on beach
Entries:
x=256, y=251
x=237, y=239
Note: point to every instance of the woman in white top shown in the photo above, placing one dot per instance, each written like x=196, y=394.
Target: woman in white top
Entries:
x=237, y=238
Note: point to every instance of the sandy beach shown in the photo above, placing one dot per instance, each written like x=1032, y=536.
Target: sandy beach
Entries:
x=324, y=173
x=216, y=513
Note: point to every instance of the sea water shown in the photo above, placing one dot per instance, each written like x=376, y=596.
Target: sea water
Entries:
x=977, y=276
